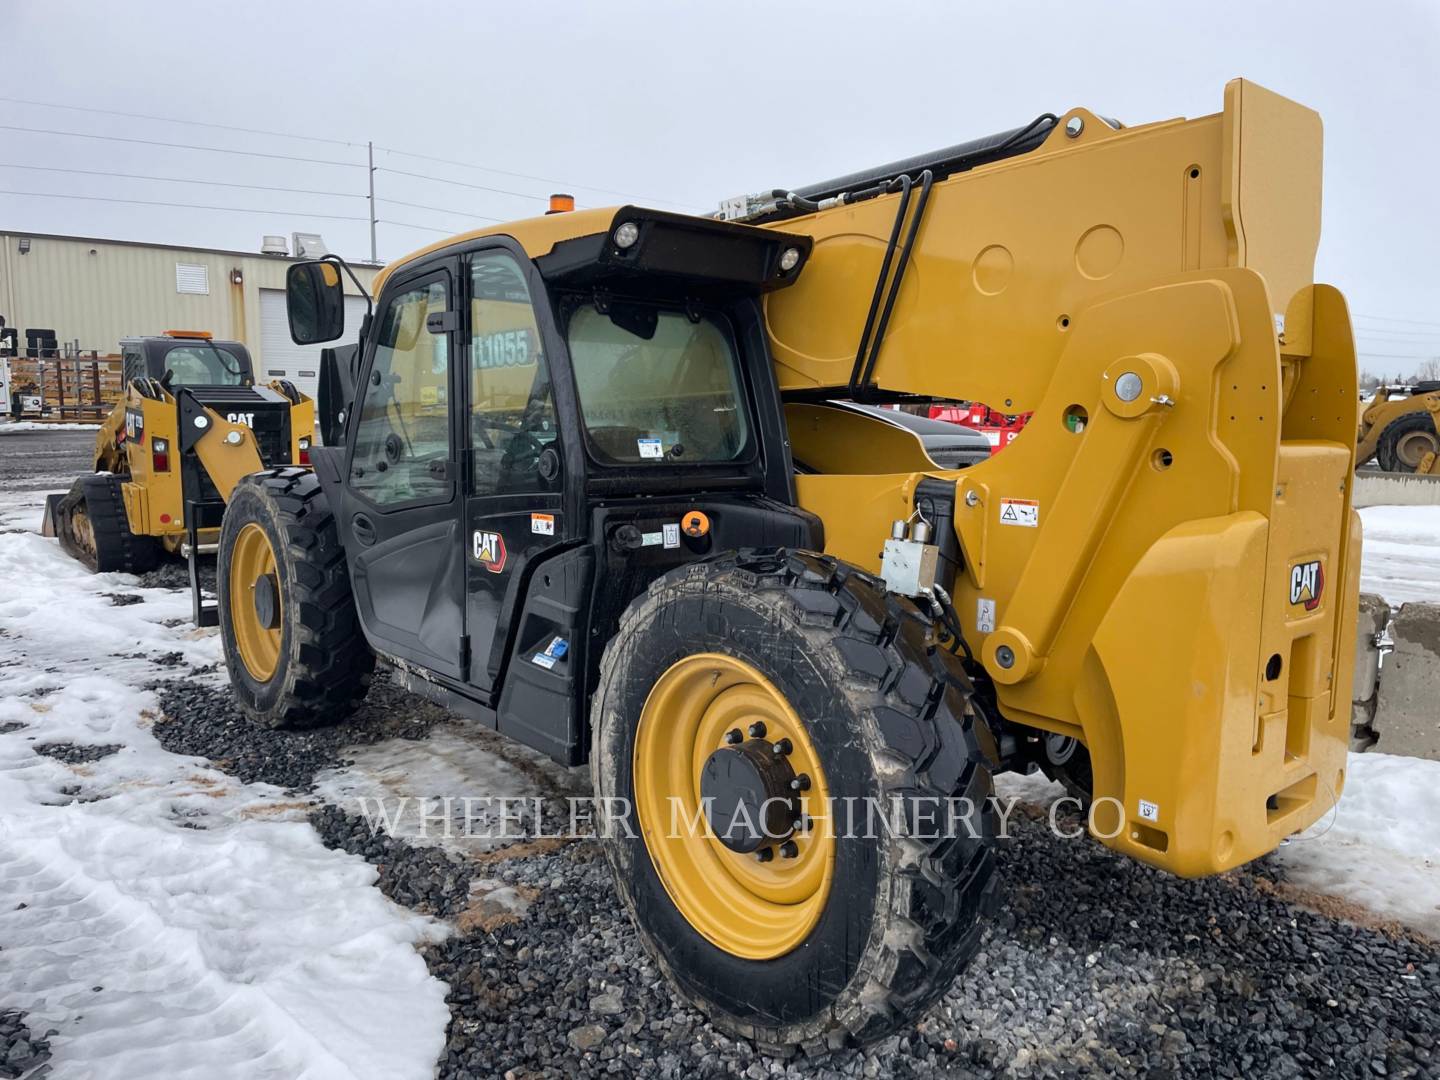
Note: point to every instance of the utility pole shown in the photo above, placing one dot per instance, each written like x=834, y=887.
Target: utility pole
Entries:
x=370, y=150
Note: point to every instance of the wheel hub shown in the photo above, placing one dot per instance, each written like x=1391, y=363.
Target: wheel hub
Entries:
x=747, y=795
x=266, y=592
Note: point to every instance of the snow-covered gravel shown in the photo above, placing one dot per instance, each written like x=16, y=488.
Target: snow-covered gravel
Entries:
x=159, y=915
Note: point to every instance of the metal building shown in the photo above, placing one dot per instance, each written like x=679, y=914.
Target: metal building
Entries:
x=93, y=292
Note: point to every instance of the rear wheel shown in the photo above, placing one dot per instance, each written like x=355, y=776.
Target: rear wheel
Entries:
x=93, y=527
x=293, y=645
x=1406, y=440
x=795, y=748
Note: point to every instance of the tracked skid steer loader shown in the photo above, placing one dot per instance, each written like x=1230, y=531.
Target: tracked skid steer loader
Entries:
x=589, y=487
x=191, y=423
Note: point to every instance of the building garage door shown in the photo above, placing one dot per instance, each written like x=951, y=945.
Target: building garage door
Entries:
x=281, y=358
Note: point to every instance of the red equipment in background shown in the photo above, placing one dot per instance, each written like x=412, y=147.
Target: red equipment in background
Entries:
x=997, y=427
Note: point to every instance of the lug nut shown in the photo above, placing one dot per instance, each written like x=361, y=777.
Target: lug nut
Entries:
x=789, y=849
x=733, y=736
x=784, y=746
x=757, y=729
x=765, y=854
x=804, y=823
x=801, y=782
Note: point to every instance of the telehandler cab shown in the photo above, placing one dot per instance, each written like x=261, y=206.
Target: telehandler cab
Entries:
x=191, y=423
x=587, y=488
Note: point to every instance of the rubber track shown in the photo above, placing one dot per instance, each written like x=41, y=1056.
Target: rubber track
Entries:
x=117, y=549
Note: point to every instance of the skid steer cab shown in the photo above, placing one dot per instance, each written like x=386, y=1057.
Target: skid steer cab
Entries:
x=597, y=480
x=191, y=423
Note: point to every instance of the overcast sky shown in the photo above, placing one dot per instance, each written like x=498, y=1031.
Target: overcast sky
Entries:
x=682, y=102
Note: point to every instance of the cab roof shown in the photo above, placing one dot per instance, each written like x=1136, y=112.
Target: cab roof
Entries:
x=666, y=254
x=537, y=235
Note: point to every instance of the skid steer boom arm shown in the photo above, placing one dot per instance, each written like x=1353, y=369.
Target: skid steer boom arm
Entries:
x=1165, y=564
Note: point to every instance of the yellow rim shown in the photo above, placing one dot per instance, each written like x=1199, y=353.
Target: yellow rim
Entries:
x=751, y=909
x=251, y=559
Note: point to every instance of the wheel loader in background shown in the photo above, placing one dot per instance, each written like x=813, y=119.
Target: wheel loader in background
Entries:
x=590, y=488
x=1398, y=429
x=190, y=424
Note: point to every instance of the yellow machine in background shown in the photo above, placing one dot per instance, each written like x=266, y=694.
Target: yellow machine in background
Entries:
x=1398, y=429
x=191, y=423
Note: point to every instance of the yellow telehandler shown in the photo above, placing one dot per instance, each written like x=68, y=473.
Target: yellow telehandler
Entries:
x=590, y=487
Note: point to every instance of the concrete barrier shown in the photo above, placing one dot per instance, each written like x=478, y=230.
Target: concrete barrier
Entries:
x=1374, y=488
x=1374, y=618
x=1406, y=719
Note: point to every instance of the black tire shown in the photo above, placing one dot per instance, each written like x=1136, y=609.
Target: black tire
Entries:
x=1400, y=438
x=904, y=913
x=1067, y=761
x=325, y=666
x=93, y=527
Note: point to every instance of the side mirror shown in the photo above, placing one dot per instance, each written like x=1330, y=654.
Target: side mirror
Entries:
x=315, y=302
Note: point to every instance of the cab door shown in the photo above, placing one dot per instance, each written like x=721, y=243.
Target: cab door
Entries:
x=401, y=505
x=515, y=512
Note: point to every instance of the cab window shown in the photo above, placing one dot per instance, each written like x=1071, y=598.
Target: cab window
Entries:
x=512, y=412
x=402, y=438
x=204, y=365
x=656, y=386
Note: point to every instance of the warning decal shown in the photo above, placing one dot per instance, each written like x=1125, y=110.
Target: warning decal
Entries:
x=1020, y=512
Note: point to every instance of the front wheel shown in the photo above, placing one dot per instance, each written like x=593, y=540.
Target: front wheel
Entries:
x=1406, y=440
x=293, y=645
x=793, y=793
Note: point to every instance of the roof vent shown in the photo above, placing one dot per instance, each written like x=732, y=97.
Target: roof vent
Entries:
x=309, y=245
x=273, y=245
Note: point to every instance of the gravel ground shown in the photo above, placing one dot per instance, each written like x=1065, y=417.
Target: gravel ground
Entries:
x=75, y=754
x=22, y=1051
x=204, y=720
x=1096, y=965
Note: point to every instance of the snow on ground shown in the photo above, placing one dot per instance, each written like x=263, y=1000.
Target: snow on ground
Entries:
x=1381, y=848
x=449, y=791
x=153, y=910
x=1401, y=554
x=14, y=427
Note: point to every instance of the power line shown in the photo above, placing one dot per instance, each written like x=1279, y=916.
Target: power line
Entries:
x=1399, y=356
x=422, y=228
x=521, y=176
x=182, y=146
x=186, y=206
x=1394, y=319
x=177, y=120
x=439, y=209
x=181, y=180
x=460, y=183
